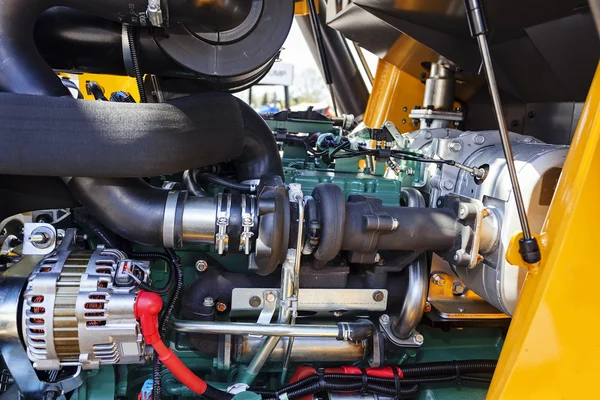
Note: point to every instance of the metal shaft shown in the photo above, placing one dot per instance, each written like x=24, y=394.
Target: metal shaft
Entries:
x=243, y=328
x=512, y=171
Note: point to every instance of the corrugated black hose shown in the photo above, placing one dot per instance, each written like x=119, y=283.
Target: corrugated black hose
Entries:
x=164, y=323
x=412, y=375
x=139, y=77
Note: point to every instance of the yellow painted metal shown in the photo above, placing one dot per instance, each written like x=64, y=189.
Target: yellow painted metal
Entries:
x=395, y=93
x=301, y=8
x=552, y=350
x=110, y=83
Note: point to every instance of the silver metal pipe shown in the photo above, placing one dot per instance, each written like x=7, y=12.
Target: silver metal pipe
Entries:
x=244, y=328
x=508, y=154
x=418, y=282
x=363, y=61
x=199, y=220
x=304, y=350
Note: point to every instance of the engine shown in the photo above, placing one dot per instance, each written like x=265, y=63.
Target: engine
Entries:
x=187, y=246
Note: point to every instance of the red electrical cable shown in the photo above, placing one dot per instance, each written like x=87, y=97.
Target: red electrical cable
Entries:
x=146, y=310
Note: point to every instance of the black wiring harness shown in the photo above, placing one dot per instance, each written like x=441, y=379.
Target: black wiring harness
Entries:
x=398, y=387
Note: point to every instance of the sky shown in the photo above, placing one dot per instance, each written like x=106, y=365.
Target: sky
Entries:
x=295, y=51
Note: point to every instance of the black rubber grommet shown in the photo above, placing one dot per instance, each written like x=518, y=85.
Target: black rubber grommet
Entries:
x=332, y=218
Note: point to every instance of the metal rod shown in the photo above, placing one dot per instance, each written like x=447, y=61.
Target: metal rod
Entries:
x=508, y=154
x=244, y=328
x=299, y=246
x=363, y=61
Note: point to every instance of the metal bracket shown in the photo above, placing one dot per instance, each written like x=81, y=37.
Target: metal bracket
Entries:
x=39, y=239
x=470, y=213
x=414, y=340
x=221, y=238
x=389, y=125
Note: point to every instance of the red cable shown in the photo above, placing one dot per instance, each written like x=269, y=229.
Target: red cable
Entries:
x=146, y=309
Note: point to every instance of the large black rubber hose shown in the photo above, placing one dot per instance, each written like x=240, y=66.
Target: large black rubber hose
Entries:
x=50, y=136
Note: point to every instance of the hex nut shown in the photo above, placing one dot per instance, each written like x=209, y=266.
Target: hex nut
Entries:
x=201, y=265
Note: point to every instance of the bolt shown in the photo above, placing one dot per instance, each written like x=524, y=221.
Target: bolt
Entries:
x=463, y=212
x=479, y=139
x=384, y=319
x=439, y=280
x=37, y=238
x=427, y=307
x=479, y=258
x=378, y=296
x=458, y=288
x=405, y=109
x=448, y=185
x=485, y=212
x=403, y=120
x=221, y=307
x=338, y=313
x=255, y=301
x=201, y=265
x=208, y=302
x=455, y=146
x=270, y=297
x=377, y=258
x=418, y=338
x=461, y=310
x=388, y=124
x=428, y=135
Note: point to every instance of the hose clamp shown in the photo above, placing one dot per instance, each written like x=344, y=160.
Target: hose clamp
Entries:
x=172, y=220
x=223, y=214
x=248, y=217
x=154, y=13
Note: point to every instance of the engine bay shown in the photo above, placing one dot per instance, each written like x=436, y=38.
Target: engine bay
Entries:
x=186, y=245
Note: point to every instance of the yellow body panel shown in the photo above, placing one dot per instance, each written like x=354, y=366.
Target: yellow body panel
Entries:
x=301, y=7
x=552, y=350
x=110, y=83
x=395, y=93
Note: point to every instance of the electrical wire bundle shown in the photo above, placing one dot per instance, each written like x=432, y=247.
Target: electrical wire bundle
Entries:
x=394, y=382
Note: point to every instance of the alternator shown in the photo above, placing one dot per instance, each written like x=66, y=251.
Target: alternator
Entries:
x=78, y=309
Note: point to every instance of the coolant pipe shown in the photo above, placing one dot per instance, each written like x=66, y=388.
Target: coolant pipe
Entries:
x=352, y=331
x=414, y=303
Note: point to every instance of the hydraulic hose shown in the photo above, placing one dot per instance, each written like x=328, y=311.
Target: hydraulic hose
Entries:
x=216, y=180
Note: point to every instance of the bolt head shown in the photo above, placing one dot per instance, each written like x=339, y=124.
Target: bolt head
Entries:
x=221, y=307
x=455, y=146
x=427, y=307
x=418, y=338
x=439, y=280
x=378, y=295
x=458, y=288
x=270, y=297
x=201, y=265
x=448, y=185
x=479, y=139
x=208, y=302
x=384, y=319
x=460, y=310
x=428, y=135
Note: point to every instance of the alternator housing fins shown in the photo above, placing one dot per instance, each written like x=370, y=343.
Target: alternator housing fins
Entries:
x=78, y=310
